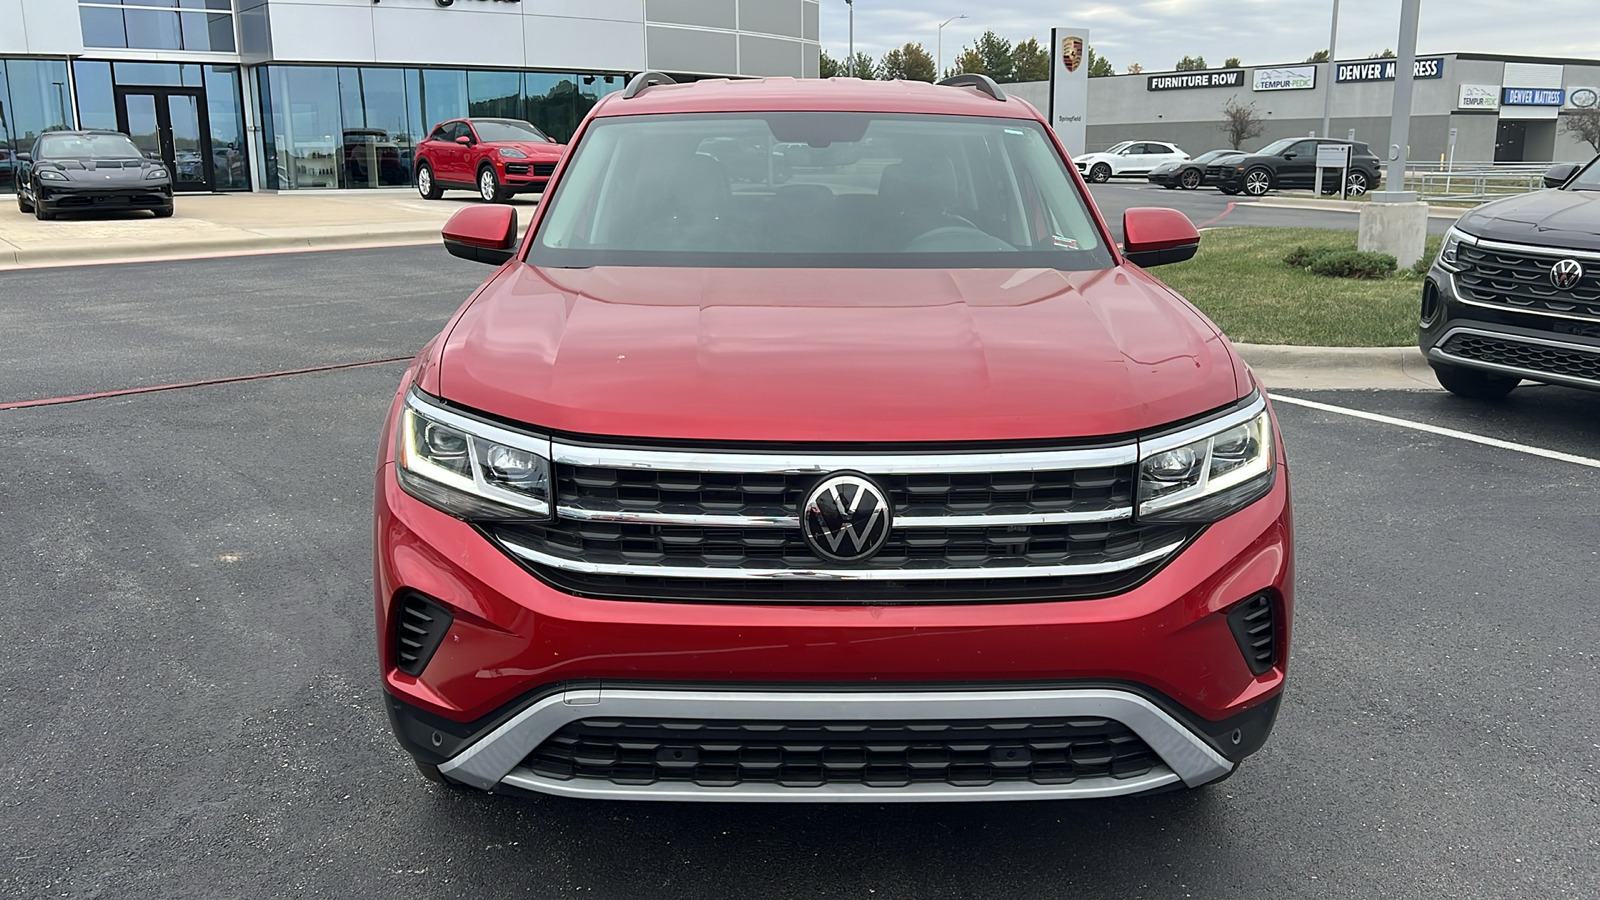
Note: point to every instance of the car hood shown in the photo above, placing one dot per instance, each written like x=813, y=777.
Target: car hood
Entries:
x=102, y=172
x=1553, y=218
x=834, y=356
x=1091, y=157
x=534, y=149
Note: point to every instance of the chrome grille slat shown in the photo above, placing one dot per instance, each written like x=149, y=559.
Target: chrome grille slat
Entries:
x=1517, y=278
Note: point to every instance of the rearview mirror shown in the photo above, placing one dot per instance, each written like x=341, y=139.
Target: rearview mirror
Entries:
x=1558, y=174
x=1156, y=237
x=486, y=234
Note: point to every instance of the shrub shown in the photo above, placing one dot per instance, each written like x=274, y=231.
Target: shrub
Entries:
x=1302, y=257
x=1353, y=264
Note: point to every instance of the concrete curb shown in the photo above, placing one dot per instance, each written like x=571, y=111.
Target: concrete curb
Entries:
x=148, y=251
x=1434, y=212
x=1339, y=368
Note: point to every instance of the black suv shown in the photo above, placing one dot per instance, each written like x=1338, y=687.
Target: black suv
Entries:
x=1515, y=291
x=1292, y=163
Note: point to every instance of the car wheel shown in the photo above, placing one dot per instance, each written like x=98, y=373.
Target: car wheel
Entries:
x=23, y=206
x=42, y=214
x=163, y=212
x=426, y=186
x=489, y=186
x=1257, y=182
x=1357, y=186
x=1100, y=173
x=1170, y=186
x=1191, y=179
x=1474, y=384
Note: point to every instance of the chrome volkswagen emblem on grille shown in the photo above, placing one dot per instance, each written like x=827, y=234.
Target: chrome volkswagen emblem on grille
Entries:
x=1566, y=274
x=846, y=518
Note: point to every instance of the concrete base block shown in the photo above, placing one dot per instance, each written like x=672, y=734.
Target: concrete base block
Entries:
x=1398, y=229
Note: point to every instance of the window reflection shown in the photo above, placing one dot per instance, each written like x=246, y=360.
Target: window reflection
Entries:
x=230, y=162
x=378, y=132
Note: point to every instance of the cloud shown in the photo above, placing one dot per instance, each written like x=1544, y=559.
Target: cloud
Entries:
x=1157, y=33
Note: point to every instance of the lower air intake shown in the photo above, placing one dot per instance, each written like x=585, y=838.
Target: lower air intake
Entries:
x=1255, y=627
x=419, y=627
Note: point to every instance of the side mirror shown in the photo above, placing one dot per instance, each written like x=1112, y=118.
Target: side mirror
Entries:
x=1290, y=155
x=1156, y=237
x=486, y=234
x=464, y=140
x=23, y=156
x=1559, y=174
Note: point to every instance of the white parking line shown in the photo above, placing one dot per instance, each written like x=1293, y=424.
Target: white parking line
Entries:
x=1444, y=432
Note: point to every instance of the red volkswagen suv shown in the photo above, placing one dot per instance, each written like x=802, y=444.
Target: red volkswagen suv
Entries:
x=896, y=479
x=495, y=157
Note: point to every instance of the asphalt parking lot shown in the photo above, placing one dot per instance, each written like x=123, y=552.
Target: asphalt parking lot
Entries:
x=1210, y=207
x=189, y=687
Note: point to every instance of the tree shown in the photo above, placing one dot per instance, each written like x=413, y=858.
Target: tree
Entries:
x=1232, y=62
x=989, y=55
x=1583, y=124
x=1386, y=54
x=860, y=66
x=830, y=67
x=1191, y=64
x=1241, y=123
x=1099, y=66
x=1319, y=56
x=1135, y=68
x=908, y=63
x=1030, y=62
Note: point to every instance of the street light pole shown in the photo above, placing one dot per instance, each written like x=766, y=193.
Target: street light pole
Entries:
x=1394, y=179
x=850, y=64
x=939, y=45
x=1327, y=89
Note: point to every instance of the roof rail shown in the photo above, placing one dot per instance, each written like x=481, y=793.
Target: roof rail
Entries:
x=982, y=82
x=644, y=80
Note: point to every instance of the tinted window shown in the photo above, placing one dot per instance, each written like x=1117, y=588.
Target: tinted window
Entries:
x=507, y=131
x=1588, y=179
x=1303, y=148
x=440, y=134
x=87, y=146
x=820, y=190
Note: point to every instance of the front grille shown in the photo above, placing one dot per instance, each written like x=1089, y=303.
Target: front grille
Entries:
x=1525, y=356
x=1521, y=282
x=812, y=754
x=420, y=626
x=544, y=170
x=516, y=168
x=1255, y=627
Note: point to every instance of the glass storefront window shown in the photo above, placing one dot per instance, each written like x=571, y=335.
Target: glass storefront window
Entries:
x=158, y=24
x=444, y=96
x=173, y=74
x=97, y=104
x=230, y=160
x=494, y=94
x=33, y=100
x=378, y=131
x=301, y=121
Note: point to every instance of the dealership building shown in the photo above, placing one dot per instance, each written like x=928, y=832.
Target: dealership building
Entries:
x=1499, y=108
x=296, y=94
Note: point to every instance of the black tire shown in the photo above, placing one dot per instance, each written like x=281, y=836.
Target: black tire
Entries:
x=1257, y=181
x=427, y=185
x=163, y=212
x=1357, y=184
x=1227, y=189
x=489, y=190
x=1474, y=384
x=23, y=206
x=1169, y=186
x=1191, y=179
x=42, y=214
x=1099, y=173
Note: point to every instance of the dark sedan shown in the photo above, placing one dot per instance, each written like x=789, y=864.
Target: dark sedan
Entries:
x=91, y=171
x=1292, y=163
x=1189, y=173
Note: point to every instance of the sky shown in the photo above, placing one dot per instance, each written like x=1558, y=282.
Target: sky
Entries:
x=1157, y=33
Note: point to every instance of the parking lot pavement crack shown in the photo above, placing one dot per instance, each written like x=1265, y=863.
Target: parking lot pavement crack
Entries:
x=1441, y=431
x=207, y=382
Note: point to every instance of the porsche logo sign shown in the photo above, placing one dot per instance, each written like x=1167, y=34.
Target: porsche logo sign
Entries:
x=1072, y=53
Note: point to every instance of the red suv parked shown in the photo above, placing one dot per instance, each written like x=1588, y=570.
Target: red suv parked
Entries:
x=495, y=157
x=892, y=479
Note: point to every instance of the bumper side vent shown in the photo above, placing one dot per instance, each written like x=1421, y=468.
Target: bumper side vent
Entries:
x=420, y=626
x=1255, y=627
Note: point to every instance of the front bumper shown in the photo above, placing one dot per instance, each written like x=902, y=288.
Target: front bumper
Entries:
x=522, y=660
x=1549, y=348
x=68, y=197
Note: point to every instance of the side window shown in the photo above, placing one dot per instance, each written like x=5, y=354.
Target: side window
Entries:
x=1164, y=149
x=442, y=133
x=459, y=130
x=1302, y=149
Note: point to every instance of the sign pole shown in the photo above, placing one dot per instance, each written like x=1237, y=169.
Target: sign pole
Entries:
x=1394, y=181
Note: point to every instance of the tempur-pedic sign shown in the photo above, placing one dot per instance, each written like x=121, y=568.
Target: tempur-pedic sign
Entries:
x=1479, y=96
x=1285, y=78
x=1384, y=69
x=1185, y=80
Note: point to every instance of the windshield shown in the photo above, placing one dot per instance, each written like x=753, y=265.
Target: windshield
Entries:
x=1588, y=179
x=1114, y=148
x=1278, y=146
x=87, y=146
x=508, y=131
x=817, y=189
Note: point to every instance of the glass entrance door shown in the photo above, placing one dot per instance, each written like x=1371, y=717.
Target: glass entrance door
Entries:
x=170, y=124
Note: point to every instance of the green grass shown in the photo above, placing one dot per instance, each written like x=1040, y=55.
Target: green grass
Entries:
x=1239, y=279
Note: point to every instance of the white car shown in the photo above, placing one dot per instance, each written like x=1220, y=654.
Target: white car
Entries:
x=1128, y=158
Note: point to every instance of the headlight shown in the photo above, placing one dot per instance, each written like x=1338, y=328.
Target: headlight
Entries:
x=157, y=172
x=469, y=468
x=51, y=175
x=512, y=153
x=1209, y=471
x=1449, y=249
